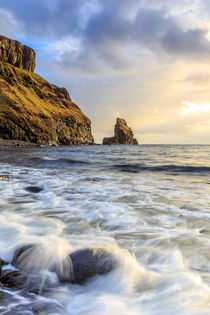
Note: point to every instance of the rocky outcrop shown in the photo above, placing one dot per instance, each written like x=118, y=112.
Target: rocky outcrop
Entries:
x=16, y=54
x=32, y=109
x=78, y=267
x=122, y=134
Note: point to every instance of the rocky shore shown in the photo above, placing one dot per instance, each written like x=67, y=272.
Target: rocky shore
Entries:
x=6, y=144
x=25, y=269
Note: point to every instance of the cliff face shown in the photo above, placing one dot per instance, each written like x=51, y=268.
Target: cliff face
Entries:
x=33, y=110
x=122, y=134
x=16, y=54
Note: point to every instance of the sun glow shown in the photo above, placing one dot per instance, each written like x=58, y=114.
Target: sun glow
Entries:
x=191, y=108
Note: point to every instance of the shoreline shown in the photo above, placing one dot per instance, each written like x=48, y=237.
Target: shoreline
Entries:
x=5, y=144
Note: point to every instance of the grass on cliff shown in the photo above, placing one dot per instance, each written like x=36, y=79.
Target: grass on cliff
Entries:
x=26, y=94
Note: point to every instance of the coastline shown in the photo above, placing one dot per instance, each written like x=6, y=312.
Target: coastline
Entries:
x=4, y=144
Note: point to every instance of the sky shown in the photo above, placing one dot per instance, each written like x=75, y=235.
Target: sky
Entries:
x=147, y=61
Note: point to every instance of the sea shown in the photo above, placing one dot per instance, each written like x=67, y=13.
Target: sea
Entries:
x=148, y=205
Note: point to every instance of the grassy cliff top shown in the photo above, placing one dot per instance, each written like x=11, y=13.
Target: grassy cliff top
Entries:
x=26, y=93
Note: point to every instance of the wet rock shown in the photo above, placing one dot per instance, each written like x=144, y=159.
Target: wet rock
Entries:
x=16, y=279
x=7, y=299
x=86, y=263
x=21, y=255
x=18, y=55
x=20, y=310
x=5, y=177
x=41, y=308
x=34, y=189
x=122, y=134
x=2, y=263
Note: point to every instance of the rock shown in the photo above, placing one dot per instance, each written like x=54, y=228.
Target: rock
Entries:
x=45, y=307
x=34, y=189
x=86, y=263
x=18, y=55
x=14, y=279
x=21, y=255
x=33, y=110
x=122, y=134
x=24, y=309
x=5, y=177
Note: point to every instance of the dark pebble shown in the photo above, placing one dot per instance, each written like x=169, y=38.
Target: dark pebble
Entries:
x=34, y=189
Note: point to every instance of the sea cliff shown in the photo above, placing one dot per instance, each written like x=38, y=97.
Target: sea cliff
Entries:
x=32, y=109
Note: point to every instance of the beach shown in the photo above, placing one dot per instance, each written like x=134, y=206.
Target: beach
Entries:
x=146, y=205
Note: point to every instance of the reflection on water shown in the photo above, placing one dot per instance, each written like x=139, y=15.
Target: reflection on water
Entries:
x=148, y=205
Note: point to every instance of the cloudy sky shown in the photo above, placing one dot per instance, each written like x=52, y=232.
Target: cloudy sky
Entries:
x=147, y=61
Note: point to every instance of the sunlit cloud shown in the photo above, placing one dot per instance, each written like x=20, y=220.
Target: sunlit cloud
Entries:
x=191, y=108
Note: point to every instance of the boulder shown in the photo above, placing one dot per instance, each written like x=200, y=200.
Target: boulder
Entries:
x=18, y=55
x=76, y=268
x=16, y=279
x=22, y=255
x=83, y=264
x=122, y=134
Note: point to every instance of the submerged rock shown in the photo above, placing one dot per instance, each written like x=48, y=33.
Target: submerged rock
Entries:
x=32, y=109
x=122, y=134
x=34, y=189
x=14, y=279
x=86, y=263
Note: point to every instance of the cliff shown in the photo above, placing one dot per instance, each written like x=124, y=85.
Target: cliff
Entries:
x=34, y=110
x=16, y=54
x=122, y=134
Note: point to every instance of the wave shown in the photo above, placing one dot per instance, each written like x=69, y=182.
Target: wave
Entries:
x=136, y=168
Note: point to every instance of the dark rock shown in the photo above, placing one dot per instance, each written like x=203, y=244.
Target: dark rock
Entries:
x=21, y=310
x=7, y=299
x=21, y=255
x=2, y=263
x=41, y=308
x=86, y=263
x=122, y=134
x=14, y=279
x=34, y=189
x=18, y=55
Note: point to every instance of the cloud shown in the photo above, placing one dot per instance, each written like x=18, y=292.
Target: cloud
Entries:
x=8, y=24
x=160, y=32
x=48, y=19
x=139, y=58
x=106, y=29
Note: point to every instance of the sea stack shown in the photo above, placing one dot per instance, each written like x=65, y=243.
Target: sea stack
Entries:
x=32, y=109
x=122, y=134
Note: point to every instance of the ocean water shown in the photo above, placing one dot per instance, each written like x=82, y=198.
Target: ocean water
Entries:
x=149, y=205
